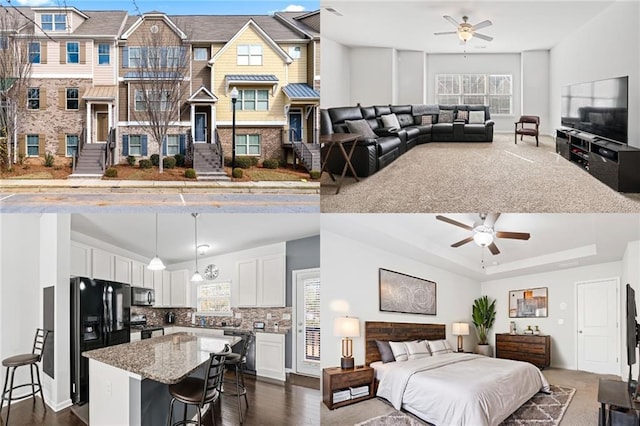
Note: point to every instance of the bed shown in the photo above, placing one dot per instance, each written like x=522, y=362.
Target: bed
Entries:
x=450, y=388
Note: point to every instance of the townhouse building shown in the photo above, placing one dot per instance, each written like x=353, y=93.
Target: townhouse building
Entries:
x=86, y=85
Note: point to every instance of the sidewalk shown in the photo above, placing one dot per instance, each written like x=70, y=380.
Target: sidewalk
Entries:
x=141, y=186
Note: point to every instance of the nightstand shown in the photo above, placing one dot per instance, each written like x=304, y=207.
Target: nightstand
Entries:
x=335, y=379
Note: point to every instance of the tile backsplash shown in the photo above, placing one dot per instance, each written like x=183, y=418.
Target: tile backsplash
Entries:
x=156, y=316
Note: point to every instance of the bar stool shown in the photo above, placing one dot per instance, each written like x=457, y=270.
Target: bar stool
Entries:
x=239, y=361
x=198, y=392
x=21, y=360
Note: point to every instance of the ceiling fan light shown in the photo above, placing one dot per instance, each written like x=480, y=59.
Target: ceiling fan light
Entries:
x=156, y=264
x=483, y=237
x=464, y=35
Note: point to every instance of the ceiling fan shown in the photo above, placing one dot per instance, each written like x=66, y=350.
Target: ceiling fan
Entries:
x=466, y=31
x=483, y=232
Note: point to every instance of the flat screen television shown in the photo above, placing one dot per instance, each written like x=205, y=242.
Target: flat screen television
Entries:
x=632, y=335
x=598, y=107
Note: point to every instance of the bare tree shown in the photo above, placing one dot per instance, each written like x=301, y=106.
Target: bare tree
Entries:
x=161, y=61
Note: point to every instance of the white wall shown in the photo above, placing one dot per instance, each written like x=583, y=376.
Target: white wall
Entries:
x=350, y=287
x=506, y=63
x=630, y=275
x=412, y=85
x=535, y=87
x=562, y=301
x=336, y=74
x=373, y=76
x=605, y=47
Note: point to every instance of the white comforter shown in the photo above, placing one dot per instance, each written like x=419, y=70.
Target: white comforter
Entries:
x=461, y=389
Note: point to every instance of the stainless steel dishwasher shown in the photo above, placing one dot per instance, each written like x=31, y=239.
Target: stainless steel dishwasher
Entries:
x=250, y=367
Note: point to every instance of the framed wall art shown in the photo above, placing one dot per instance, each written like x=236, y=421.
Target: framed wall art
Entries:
x=528, y=303
x=403, y=293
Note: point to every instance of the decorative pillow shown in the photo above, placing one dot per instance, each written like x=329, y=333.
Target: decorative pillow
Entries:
x=463, y=115
x=399, y=351
x=386, y=354
x=476, y=117
x=445, y=116
x=439, y=347
x=417, y=350
x=390, y=121
x=360, y=127
x=426, y=119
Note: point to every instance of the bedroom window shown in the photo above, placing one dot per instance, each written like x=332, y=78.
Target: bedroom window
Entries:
x=34, y=52
x=73, y=52
x=495, y=90
x=214, y=298
x=249, y=54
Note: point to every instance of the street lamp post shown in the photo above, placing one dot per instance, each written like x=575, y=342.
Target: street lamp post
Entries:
x=234, y=98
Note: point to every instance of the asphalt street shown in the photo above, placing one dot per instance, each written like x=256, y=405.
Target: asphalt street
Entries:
x=51, y=202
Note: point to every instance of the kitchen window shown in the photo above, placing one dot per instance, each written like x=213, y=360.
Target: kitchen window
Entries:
x=104, y=54
x=253, y=100
x=72, y=98
x=249, y=54
x=248, y=144
x=73, y=52
x=214, y=298
x=53, y=22
x=33, y=145
x=34, y=52
x=476, y=89
x=33, y=98
x=72, y=145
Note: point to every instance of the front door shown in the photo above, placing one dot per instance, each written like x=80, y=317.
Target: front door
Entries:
x=307, y=287
x=201, y=127
x=295, y=126
x=598, y=332
x=102, y=126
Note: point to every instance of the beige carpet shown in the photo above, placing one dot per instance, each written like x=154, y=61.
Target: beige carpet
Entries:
x=583, y=409
x=468, y=177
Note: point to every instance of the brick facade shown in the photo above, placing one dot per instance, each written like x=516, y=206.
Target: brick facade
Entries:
x=270, y=140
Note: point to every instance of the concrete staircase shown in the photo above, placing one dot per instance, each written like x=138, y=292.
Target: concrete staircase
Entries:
x=207, y=164
x=89, y=163
x=308, y=154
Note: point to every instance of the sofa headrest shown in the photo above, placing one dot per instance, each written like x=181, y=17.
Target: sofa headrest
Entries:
x=326, y=128
x=423, y=109
x=340, y=114
x=368, y=112
x=382, y=110
x=401, y=109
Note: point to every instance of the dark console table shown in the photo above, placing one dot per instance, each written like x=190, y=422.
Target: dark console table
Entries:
x=613, y=395
x=615, y=164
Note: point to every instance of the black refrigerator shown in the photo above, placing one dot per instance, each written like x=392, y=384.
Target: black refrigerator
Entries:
x=100, y=314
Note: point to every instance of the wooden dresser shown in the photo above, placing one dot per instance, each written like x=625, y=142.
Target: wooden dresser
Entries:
x=524, y=347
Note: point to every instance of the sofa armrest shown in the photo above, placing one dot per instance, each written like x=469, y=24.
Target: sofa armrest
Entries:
x=387, y=131
x=489, y=123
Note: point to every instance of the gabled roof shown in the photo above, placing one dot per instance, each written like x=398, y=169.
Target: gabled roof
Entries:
x=301, y=91
x=132, y=28
x=251, y=23
x=202, y=95
x=307, y=23
x=59, y=9
x=102, y=23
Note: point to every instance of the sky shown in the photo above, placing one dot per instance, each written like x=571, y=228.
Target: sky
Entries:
x=181, y=7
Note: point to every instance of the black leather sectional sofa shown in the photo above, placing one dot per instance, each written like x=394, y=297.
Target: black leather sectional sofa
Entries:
x=374, y=153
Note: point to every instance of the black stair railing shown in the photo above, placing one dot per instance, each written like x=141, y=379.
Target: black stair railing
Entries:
x=76, y=154
x=301, y=151
x=217, y=149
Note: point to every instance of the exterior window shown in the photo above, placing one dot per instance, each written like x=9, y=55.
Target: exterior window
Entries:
x=294, y=52
x=33, y=145
x=135, y=145
x=200, y=54
x=72, y=145
x=253, y=100
x=104, y=56
x=34, y=52
x=159, y=101
x=476, y=89
x=33, y=98
x=73, y=52
x=174, y=57
x=500, y=94
x=4, y=42
x=54, y=22
x=249, y=54
x=135, y=57
x=60, y=22
x=248, y=144
x=215, y=298
x=173, y=144
x=72, y=98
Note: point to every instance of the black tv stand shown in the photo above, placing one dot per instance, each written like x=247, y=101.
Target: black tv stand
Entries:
x=615, y=164
x=616, y=407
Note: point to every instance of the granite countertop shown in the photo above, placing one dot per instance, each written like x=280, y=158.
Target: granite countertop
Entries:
x=166, y=359
x=280, y=330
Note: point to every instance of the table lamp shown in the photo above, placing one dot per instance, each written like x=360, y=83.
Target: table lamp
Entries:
x=346, y=328
x=460, y=329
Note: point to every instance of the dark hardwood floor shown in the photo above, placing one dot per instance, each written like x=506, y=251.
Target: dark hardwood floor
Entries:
x=269, y=404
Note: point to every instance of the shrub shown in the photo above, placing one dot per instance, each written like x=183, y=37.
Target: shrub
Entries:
x=111, y=172
x=254, y=161
x=271, y=163
x=155, y=159
x=179, y=160
x=49, y=159
x=131, y=160
x=227, y=161
x=314, y=174
x=243, y=162
x=168, y=162
x=145, y=164
x=237, y=173
x=190, y=174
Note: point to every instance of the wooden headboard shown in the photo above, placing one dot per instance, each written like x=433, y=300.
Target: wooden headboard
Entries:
x=398, y=332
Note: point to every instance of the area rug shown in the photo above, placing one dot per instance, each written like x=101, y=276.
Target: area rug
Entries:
x=540, y=410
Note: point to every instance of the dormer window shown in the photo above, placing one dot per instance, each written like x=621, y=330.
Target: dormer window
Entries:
x=53, y=22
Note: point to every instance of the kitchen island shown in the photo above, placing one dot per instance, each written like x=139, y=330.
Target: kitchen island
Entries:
x=129, y=383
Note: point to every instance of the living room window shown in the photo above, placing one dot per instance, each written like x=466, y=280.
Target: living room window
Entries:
x=72, y=145
x=33, y=98
x=248, y=144
x=253, y=100
x=33, y=145
x=476, y=89
x=72, y=98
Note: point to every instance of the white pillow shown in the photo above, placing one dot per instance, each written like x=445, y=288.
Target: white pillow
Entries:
x=416, y=350
x=399, y=351
x=439, y=347
x=390, y=121
x=476, y=117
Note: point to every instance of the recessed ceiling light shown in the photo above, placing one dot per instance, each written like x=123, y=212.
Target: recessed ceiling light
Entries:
x=332, y=10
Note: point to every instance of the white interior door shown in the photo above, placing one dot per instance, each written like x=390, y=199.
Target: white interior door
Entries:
x=598, y=331
x=307, y=325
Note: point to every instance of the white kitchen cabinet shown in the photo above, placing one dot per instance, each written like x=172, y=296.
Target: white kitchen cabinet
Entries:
x=261, y=281
x=102, y=264
x=166, y=288
x=147, y=277
x=122, y=269
x=80, y=260
x=157, y=287
x=270, y=356
x=179, y=285
x=137, y=271
x=248, y=282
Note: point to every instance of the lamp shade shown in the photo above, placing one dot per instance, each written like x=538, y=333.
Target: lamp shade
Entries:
x=460, y=329
x=346, y=327
x=156, y=264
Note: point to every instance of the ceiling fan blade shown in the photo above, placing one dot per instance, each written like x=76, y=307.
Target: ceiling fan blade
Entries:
x=445, y=32
x=482, y=24
x=513, y=235
x=450, y=19
x=493, y=249
x=454, y=222
x=491, y=219
x=462, y=242
x=482, y=36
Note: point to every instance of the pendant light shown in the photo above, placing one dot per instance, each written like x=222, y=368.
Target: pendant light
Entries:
x=156, y=264
x=196, y=278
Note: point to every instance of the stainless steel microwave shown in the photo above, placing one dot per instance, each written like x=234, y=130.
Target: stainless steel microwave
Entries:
x=141, y=296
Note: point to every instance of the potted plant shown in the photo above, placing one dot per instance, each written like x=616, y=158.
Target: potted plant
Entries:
x=484, y=315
